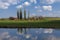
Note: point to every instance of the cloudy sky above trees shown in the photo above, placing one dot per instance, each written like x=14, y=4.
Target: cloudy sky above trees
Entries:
x=49, y=8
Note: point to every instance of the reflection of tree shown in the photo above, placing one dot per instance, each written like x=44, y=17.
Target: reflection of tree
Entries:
x=22, y=30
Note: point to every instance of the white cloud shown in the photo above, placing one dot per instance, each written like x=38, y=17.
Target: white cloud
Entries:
x=19, y=6
x=49, y=8
x=49, y=1
x=48, y=30
x=33, y=14
x=4, y=5
x=57, y=0
x=26, y=3
x=36, y=7
x=33, y=1
x=12, y=1
x=39, y=10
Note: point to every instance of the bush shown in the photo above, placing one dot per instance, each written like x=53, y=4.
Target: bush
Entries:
x=11, y=18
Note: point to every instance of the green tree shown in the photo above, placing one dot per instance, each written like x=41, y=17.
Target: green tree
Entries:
x=20, y=14
x=17, y=14
x=28, y=14
x=25, y=14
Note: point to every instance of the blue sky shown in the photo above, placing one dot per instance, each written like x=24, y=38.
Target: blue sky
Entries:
x=46, y=8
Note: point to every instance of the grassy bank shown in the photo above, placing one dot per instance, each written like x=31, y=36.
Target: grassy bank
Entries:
x=46, y=23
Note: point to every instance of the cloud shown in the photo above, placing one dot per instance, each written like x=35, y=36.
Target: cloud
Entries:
x=12, y=1
x=50, y=1
x=39, y=10
x=36, y=7
x=4, y=5
x=33, y=1
x=49, y=8
x=47, y=1
x=26, y=3
x=32, y=15
x=48, y=30
x=19, y=6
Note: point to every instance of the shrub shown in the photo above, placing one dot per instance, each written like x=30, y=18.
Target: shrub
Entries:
x=11, y=18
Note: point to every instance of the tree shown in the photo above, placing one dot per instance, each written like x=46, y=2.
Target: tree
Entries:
x=11, y=18
x=18, y=14
x=28, y=14
x=25, y=14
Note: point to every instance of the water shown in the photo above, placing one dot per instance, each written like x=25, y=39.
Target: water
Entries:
x=29, y=34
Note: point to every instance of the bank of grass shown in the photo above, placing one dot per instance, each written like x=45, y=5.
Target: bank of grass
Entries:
x=46, y=23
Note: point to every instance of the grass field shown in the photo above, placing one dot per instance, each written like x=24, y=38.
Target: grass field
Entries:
x=45, y=23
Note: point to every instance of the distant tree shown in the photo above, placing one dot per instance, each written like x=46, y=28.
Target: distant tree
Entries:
x=25, y=14
x=40, y=17
x=28, y=14
x=2, y=19
x=11, y=18
x=18, y=14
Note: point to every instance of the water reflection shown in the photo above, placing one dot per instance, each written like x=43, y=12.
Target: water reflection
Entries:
x=8, y=34
x=39, y=34
x=29, y=34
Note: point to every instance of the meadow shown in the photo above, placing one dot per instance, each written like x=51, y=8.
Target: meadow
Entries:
x=43, y=23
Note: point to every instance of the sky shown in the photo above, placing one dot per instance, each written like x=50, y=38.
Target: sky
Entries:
x=45, y=8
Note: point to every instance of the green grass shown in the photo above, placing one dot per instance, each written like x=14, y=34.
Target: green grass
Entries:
x=46, y=23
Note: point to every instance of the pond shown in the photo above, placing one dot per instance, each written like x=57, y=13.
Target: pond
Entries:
x=29, y=34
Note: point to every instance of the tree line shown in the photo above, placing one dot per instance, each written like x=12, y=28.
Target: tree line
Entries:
x=20, y=14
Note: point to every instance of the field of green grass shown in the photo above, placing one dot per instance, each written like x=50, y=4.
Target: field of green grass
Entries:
x=45, y=23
